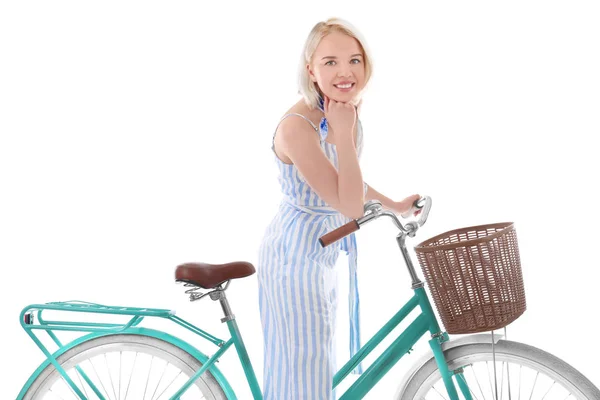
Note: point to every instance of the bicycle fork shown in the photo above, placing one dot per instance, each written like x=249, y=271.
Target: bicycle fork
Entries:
x=437, y=336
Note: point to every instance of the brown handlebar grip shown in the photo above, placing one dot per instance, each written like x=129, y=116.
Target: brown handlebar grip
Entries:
x=339, y=233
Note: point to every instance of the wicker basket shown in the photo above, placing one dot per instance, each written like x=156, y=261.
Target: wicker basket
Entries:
x=474, y=275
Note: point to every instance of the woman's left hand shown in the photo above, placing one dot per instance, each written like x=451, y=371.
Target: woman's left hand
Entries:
x=406, y=207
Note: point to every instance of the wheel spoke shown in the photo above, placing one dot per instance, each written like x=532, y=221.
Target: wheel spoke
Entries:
x=54, y=394
x=490, y=379
x=130, y=375
x=169, y=385
x=67, y=386
x=441, y=395
x=495, y=379
x=462, y=376
x=156, y=369
x=82, y=385
x=148, y=379
x=519, y=371
x=109, y=376
x=100, y=380
x=160, y=380
x=508, y=377
x=533, y=388
x=549, y=389
x=478, y=384
x=502, y=383
x=120, y=366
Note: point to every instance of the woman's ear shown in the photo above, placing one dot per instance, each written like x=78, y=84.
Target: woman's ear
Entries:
x=310, y=73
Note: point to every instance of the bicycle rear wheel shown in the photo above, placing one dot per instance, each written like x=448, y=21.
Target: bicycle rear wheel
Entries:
x=125, y=367
x=522, y=371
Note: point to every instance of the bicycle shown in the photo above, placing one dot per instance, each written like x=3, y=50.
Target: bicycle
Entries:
x=457, y=368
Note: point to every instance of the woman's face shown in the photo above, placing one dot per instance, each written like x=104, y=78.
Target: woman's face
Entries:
x=338, y=67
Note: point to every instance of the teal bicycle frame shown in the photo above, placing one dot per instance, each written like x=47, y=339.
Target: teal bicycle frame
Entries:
x=424, y=322
x=97, y=329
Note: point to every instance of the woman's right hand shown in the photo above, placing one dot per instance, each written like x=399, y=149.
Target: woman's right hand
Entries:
x=341, y=117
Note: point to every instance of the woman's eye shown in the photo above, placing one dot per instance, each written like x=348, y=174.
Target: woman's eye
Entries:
x=353, y=61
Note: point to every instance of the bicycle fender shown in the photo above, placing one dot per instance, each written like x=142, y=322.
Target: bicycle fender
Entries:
x=220, y=378
x=465, y=340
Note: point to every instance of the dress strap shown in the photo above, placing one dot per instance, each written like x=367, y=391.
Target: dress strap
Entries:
x=284, y=117
x=349, y=245
x=299, y=115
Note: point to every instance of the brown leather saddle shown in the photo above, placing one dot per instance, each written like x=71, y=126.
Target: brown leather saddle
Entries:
x=209, y=276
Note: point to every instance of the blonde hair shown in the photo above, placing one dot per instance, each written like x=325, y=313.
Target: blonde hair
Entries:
x=306, y=87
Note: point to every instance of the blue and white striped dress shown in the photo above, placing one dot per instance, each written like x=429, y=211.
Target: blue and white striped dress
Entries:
x=297, y=286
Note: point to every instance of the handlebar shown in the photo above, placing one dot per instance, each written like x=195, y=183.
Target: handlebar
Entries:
x=425, y=204
x=374, y=210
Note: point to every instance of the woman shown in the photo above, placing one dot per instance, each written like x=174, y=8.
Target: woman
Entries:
x=317, y=146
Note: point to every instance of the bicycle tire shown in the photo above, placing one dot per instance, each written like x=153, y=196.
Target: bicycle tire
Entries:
x=103, y=345
x=509, y=353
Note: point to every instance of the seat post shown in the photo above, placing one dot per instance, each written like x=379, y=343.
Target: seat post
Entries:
x=238, y=342
x=219, y=294
x=226, y=309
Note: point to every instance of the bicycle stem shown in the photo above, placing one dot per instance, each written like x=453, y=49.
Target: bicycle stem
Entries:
x=410, y=229
x=416, y=282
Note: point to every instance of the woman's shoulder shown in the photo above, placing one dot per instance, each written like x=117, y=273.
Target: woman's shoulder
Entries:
x=296, y=129
x=301, y=116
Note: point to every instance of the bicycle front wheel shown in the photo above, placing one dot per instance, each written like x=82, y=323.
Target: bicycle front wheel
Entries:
x=125, y=367
x=521, y=371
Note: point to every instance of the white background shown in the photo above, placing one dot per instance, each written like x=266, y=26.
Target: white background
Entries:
x=136, y=136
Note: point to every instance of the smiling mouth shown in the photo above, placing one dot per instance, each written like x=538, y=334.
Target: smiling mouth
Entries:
x=345, y=85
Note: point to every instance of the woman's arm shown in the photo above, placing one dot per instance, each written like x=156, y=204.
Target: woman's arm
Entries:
x=343, y=189
x=373, y=194
x=399, y=207
x=350, y=180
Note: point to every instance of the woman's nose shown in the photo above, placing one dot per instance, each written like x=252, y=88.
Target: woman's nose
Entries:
x=344, y=71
